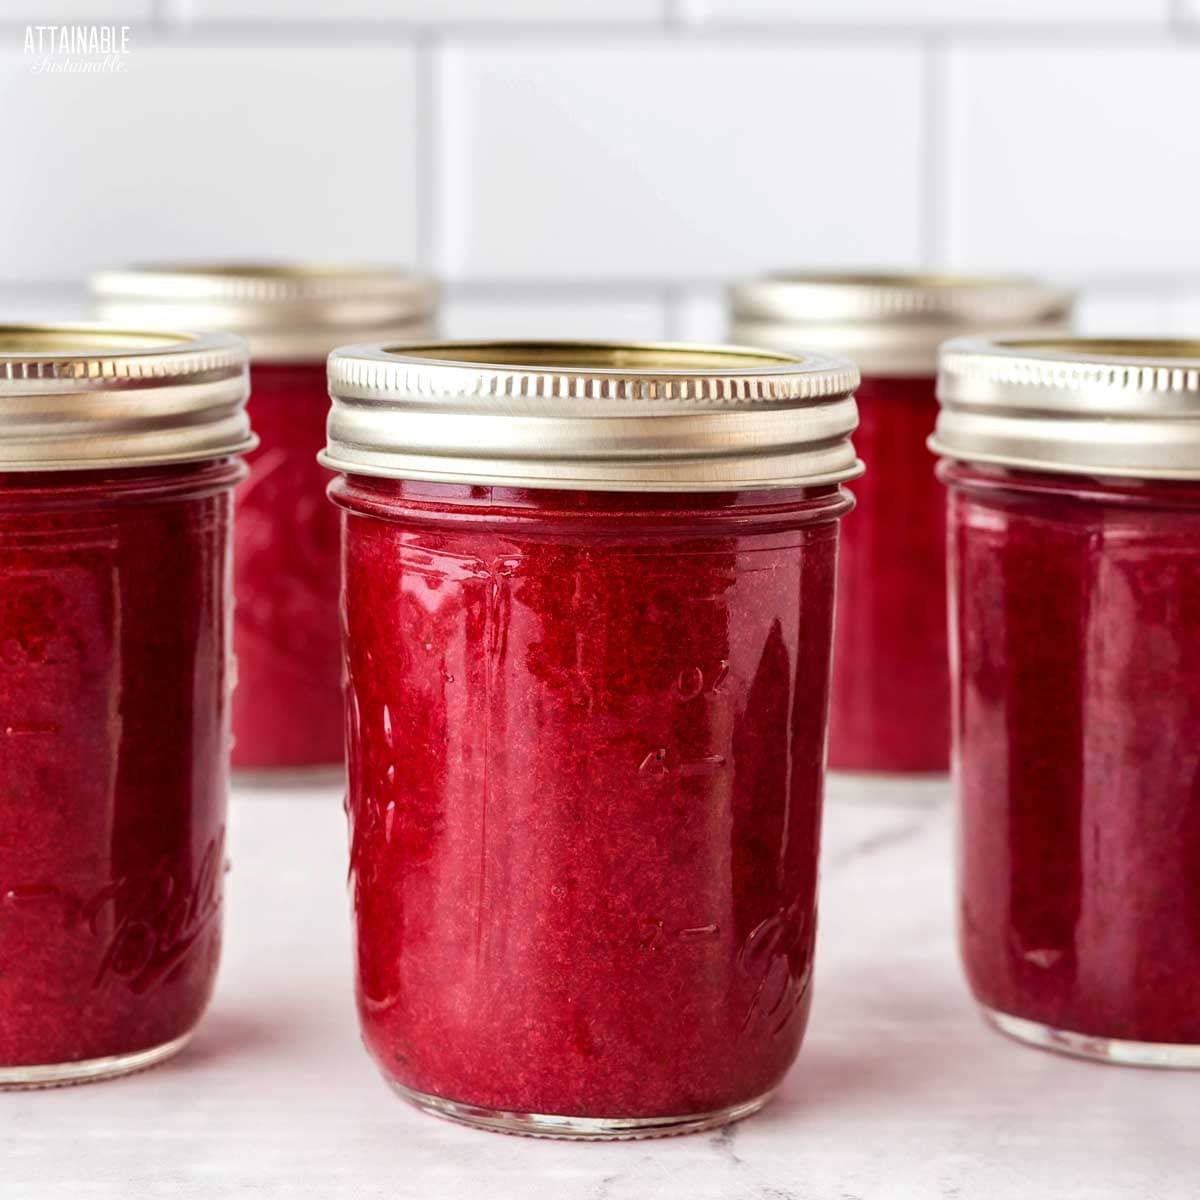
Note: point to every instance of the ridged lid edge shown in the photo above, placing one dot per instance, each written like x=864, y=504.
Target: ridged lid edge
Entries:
x=1126, y=407
x=286, y=312
x=87, y=396
x=547, y=414
x=890, y=325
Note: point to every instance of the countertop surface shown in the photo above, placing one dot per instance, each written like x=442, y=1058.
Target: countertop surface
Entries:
x=900, y=1090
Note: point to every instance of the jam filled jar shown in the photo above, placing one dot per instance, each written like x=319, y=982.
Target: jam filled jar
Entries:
x=117, y=468
x=891, y=684
x=287, y=707
x=587, y=598
x=1073, y=470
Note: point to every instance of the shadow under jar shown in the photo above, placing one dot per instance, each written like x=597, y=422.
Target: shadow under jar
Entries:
x=1073, y=470
x=891, y=682
x=116, y=475
x=587, y=605
x=287, y=707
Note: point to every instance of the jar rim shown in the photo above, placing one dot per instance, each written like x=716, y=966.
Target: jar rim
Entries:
x=72, y=341
x=591, y=415
x=1110, y=406
x=288, y=312
x=82, y=396
x=890, y=323
x=909, y=280
x=1147, y=351
x=610, y=358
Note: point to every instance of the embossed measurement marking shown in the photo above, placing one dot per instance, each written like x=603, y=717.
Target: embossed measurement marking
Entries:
x=147, y=922
x=658, y=764
x=700, y=932
x=693, y=682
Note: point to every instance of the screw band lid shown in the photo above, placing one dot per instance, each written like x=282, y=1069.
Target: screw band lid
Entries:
x=890, y=324
x=592, y=416
x=288, y=313
x=1093, y=406
x=85, y=397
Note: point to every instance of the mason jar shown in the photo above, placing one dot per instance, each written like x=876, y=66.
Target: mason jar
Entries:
x=587, y=601
x=1073, y=469
x=117, y=464
x=891, y=688
x=287, y=707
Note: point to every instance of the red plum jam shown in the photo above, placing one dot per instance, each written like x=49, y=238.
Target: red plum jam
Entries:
x=1075, y=610
x=890, y=706
x=287, y=707
x=891, y=683
x=114, y=687
x=586, y=726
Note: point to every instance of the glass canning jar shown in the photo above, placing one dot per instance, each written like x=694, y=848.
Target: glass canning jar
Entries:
x=891, y=686
x=587, y=598
x=117, y=465
x=287, y=707
x=1073, y=470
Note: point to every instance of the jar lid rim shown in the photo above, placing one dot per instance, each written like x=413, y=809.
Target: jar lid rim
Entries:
x=988, y=355
x=872, y=296
x=636, y=362
x=890, y=323
x=1091, y=405
x=287, y=311
x=591, y=414
x=85, y=395
x=263, y=280
x=111, y=350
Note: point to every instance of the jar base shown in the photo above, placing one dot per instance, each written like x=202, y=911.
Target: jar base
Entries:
x=595, y=1129
x=1098, y=1049
x=268, y=778
x=89, y=1070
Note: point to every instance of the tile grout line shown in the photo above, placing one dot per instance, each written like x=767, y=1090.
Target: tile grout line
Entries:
x=428, y=183
x=933, y=155
x=170, y=16
x=678, y=15
x=443, y=209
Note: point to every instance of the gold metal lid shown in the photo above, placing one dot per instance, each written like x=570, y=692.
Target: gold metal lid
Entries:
x=85, y=397
x=286, y=313
x=890, y=324
x=605, y=416
x=1091, y=406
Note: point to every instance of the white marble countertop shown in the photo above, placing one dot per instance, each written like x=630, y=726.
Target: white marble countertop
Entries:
x=899, y=1092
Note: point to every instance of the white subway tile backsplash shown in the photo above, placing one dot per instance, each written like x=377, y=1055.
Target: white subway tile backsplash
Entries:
x=553, y=316
x=197, y=153
x=427, y=12
x=959, y=13
x=1184, y=318
x=1101, y=313
x=41, y=303
x=1073, y=160
x=631, y=160
x=702, y=315
x=1168, y=313
x=588, y=168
